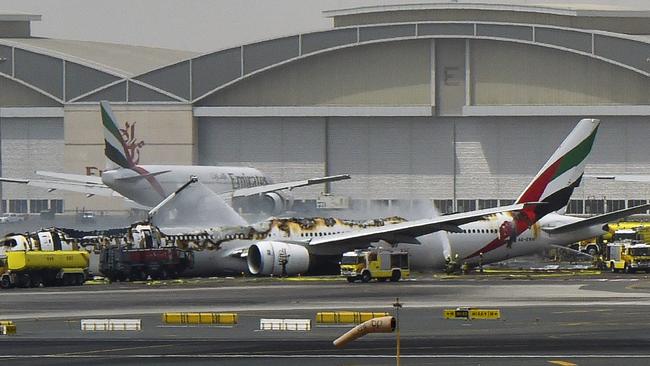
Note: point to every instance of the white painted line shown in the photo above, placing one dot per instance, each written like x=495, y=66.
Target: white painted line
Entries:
x=339, y=356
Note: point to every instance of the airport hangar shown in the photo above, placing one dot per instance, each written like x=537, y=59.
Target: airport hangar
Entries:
x=455, y=103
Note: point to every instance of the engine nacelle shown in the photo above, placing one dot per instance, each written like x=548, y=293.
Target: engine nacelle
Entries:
x=271, y=203
x=277, y=258
x=274, y=203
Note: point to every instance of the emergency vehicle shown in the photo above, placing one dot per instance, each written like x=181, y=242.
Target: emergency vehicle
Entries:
x=365, y=265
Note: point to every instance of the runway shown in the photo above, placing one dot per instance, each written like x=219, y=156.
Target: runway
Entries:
x=583, y=320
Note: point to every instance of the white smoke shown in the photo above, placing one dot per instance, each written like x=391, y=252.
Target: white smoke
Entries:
x=196, y=208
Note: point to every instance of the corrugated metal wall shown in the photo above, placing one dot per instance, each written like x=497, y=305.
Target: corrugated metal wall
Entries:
x=415, y=157
x=283, y=148
x=30, y=144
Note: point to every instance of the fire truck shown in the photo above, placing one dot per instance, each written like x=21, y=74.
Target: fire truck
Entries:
x=144, y=253
x=43, y=258
x=380, y=264
x=628, y=256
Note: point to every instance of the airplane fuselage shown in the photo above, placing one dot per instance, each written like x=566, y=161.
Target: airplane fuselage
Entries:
x=150, y=184
x=429, y=255
x=482, y=237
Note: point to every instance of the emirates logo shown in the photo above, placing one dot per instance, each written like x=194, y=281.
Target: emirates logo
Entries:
x=131, y=143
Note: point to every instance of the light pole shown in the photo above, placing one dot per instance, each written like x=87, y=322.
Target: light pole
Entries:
x=397, y=306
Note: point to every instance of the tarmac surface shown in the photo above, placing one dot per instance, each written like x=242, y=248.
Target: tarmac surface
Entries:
x=556, y=318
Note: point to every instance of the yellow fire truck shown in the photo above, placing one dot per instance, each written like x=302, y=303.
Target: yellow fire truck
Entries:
x=43, y=258
x=628, y=257
x=365, y=265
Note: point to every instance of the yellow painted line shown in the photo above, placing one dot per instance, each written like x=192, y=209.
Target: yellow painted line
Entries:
x=562, y=363
x=97, y=282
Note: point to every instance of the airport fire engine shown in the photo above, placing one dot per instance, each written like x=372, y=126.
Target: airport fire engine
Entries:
x=628, y=257
x=365, y=265
x=143, y=254
x=44, y=258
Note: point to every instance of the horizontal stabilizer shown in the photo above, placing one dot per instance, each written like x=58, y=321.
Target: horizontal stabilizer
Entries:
x=14, y=180
x=89, y=189
x=71, y=177
x=595, y=220
x=141, y=176
x=639, y=178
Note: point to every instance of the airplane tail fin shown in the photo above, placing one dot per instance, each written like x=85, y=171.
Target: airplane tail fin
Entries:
x=115, y=148
x=562, y=173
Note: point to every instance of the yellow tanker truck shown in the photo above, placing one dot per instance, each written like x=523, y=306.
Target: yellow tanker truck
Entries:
x=44, y=258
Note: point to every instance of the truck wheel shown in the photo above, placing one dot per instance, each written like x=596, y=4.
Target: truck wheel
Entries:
x=365, y=277
x=612, y=267
x=395, y=276
x=592, y=250
x=352, y=279
x=5, y=282
x=37, y=280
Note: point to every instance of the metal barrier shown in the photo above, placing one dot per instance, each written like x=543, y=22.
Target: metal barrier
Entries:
x=285, y=324
x=200, y=318
x=471, y=313
x=347, y=317
x=110, y=324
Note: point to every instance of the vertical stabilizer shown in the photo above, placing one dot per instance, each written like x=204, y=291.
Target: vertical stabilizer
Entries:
x=114, y=146
x=562, y=173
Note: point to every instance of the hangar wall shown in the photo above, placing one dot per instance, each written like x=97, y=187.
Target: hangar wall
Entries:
x=284, y=148
x=406, y=158
x=30, y=144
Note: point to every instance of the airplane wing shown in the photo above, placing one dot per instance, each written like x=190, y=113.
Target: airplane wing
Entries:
x=244, y=192
x=642, y=178
x=599, y=219
x=71, y=177
x=90, y=189
x=407, y=232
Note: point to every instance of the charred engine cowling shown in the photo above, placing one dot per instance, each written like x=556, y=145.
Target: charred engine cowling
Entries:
x=270, y=203
x=277, y=258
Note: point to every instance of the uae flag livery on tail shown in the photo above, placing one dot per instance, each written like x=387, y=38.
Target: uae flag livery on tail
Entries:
x=553, y=185
x=561, y=174
x=115, y=148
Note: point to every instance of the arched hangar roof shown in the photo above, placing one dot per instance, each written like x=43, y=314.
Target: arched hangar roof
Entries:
x=203, y=75
x=70, y=71
x=78, y=72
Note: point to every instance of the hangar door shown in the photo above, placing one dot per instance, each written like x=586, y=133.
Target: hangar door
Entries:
x=283, y=148
x=391, y=157
x=27, y=145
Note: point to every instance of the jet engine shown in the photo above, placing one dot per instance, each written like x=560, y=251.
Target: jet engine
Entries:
x=270, y=203
x=277, y=258
x=273, y=203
